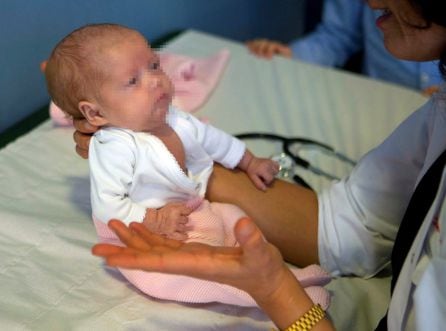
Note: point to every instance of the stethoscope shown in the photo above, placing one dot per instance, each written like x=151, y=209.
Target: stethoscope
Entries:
x=288, y=160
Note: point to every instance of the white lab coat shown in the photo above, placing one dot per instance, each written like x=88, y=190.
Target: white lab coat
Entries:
x=359, y=218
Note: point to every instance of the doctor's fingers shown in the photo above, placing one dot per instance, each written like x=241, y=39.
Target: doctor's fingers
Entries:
x=82, y=125
x=129, y=237
x=82, y=141
x=83, y=153
x=261, y=47
x=268, y=48
x=283, y=50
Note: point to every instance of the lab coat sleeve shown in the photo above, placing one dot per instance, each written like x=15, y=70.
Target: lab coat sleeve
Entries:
x=337, y=37
x=359, y=216
x=112, y=160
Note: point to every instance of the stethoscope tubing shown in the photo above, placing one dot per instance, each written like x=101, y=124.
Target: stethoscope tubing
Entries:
x=286, y=143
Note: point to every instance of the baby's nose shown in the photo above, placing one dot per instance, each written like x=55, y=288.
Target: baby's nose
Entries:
x=154, y=82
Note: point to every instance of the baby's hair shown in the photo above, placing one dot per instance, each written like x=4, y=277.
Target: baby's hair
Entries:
x=73, y=72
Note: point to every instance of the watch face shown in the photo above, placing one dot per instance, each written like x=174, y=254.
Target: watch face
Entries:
x=286, y=164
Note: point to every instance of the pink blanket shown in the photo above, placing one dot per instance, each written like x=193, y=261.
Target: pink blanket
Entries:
x=193, y=79
x=212, y=224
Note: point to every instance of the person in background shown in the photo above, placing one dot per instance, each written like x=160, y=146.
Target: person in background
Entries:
x=348, y=27
x=390, y=210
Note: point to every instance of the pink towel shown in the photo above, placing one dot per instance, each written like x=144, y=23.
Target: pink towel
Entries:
x=58, y=117
x=193, y=79
x=191, y=290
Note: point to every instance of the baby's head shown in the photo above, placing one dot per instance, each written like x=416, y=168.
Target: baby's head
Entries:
x=108, y=74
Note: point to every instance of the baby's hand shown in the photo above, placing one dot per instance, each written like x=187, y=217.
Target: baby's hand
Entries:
x=262, y=172
x=169, y=221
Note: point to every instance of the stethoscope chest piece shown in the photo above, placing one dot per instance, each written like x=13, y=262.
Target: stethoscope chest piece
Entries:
x=289, y=159
x=286, y=164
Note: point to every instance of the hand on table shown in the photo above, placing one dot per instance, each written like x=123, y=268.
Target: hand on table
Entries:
x=268, y=48
x=430, y=90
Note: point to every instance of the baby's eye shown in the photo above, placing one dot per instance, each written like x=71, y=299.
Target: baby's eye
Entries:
x=132, y=81
x=154, y=66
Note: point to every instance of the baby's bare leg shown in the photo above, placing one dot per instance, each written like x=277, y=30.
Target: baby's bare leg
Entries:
x=286, y=213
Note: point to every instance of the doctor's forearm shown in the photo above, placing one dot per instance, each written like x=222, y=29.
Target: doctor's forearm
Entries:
x=286, y=213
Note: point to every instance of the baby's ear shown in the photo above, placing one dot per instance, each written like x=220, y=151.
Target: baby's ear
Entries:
x=92, y=113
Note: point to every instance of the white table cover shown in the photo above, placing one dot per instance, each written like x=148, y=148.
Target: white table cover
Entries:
x=50, y=281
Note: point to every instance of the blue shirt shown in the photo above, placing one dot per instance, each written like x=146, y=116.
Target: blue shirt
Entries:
x=348, y=26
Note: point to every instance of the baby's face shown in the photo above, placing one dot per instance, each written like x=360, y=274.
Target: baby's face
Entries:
x=136, y=93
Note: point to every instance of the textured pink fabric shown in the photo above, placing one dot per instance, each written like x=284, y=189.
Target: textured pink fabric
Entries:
x=193, y=79
x=58, y=117
x=222, y=218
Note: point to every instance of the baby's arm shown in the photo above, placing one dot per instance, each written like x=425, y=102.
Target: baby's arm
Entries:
x=261, y=171
x=111, y=160
x=231, y=152
x=169, y=221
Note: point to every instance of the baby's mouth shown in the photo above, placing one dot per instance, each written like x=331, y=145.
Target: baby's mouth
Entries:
x=163, y=97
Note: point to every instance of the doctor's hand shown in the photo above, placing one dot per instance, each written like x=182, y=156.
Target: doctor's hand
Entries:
x=429, y=91
x=268, y=48
x=255, y=267
x=82, y=136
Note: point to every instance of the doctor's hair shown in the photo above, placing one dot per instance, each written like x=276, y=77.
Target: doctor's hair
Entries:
x=74, y=71
x=434, y=11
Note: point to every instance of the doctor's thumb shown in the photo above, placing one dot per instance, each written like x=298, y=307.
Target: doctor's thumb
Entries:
x=248, y=234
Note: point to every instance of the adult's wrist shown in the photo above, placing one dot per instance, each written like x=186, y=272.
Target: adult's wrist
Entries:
x=309, y=320
x=288, y=303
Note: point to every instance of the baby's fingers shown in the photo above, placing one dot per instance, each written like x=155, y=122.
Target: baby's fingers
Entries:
x=258, y=182
x=153, y=239
x=275, y=167
x=178, y=236
x=268, y=177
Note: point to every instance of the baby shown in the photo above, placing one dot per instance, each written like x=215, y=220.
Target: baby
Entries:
x=148, y=157
x=150, y=163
